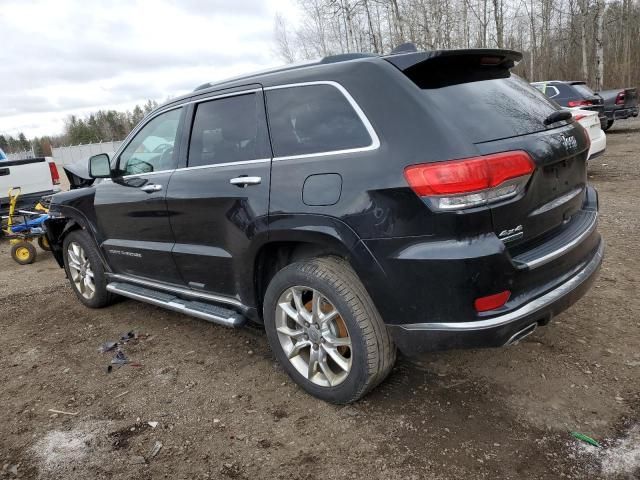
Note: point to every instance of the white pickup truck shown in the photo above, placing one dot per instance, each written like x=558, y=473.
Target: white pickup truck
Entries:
x=35, y=177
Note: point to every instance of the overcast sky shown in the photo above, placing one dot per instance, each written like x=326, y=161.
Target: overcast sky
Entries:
x=76, y=56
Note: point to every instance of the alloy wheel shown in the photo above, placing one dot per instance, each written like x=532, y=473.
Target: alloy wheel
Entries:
x=313, y=336
x=80, y=270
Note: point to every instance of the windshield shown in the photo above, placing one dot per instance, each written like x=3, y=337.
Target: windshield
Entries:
x=583, y=90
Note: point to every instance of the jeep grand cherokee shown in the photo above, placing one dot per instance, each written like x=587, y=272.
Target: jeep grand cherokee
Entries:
x=353, y=206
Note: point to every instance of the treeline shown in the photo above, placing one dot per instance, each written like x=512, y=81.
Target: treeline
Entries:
x=100, y=126
x=590, y=40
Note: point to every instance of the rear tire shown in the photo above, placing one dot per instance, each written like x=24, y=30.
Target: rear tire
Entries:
x=608, y=126
x=85, y=270
x=350, y=351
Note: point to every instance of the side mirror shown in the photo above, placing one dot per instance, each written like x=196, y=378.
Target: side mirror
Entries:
x=100, y=166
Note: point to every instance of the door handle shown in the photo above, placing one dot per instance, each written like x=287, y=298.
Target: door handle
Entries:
x=4, y=172
x=151, y=188
x=245, y=181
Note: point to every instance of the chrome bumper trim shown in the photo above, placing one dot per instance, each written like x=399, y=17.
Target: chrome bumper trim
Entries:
x=538, y=262
x=530, y=308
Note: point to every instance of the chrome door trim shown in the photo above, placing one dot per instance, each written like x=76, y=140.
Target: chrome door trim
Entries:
x=227, y=164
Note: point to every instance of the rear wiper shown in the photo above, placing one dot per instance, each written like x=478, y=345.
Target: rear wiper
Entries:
x=557, y=116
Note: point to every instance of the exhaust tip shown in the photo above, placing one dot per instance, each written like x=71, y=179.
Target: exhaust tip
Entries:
x=521, y=334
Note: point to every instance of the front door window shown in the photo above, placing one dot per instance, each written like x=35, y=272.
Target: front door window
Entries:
x=152, y=149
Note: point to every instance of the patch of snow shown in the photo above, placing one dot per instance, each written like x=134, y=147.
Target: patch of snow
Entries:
x=620, y=457
x=60, y=451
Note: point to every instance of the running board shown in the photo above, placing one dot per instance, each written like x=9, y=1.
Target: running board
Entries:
x=194, y=308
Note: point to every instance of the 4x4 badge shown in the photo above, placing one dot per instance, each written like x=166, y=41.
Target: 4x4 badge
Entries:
x=570, y=142
x=511, y=234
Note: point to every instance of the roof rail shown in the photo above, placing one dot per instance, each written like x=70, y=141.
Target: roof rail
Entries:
x=344, y=57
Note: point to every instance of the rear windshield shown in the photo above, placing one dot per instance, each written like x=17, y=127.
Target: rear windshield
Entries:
x=491, y=109
x=583, y=89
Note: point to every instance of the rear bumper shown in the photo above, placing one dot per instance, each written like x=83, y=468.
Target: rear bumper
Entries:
x=503, y=329
x=622, y=113
x=598, y=146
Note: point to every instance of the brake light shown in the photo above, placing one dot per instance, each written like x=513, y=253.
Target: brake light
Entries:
x=579, y=103
x=55, y=176
x=620, y=99
x=579, y=116
x=491, y=60
x=471, y=182
x=491, y=302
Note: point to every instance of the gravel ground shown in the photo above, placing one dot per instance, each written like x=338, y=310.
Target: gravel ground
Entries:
x=224, y=409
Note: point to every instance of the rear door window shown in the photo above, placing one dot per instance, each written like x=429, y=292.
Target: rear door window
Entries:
x=313, y=119
x=228, y=130
x=492, y=109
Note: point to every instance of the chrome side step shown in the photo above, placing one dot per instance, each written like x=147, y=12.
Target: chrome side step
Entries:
x=194, y=308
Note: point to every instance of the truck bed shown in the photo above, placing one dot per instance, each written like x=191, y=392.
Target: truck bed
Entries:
x=32, y=175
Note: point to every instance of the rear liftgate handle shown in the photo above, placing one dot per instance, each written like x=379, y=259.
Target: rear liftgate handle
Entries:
x=244, y=181
x=151, y=188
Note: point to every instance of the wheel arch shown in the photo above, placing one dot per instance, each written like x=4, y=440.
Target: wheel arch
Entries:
x=298, y=237
x=57, y=229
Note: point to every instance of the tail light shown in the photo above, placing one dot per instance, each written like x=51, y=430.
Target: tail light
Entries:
x=579, y=103
x=579, y=116
x=620, y=99
x=491, y=302
x=471, y=182
x=55, y=176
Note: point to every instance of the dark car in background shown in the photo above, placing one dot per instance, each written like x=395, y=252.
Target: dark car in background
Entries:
x=619, y=104
x=359, y=204
x=574, y=94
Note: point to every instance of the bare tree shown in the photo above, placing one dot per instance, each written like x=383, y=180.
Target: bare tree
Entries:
x=599, y=55
x=283, y=43
x=559, y=38
x=498, y=15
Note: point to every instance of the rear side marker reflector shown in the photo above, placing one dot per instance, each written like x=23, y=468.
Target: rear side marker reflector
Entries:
x=491, y=302
x=471, y=182
x=55, y=176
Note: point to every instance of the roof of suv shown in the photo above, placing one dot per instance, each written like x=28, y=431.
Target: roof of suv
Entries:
x=403, y=59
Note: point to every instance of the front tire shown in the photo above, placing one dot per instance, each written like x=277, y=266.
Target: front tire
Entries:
x=85, y=270
x=325, y=331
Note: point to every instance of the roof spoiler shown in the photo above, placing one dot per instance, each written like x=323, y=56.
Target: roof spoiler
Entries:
x=442, y=68
x=493, y=57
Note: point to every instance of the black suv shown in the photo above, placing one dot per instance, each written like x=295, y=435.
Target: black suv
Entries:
x=424, y=201
x=574, y=94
